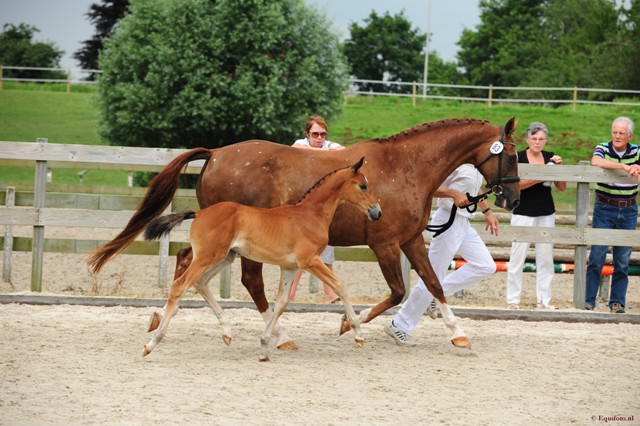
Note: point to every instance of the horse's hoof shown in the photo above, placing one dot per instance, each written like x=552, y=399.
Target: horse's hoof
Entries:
x=360, y=343
x=264, y=358
x=145, y=351
x=461, y=342
x=154, y=322
x=345, y=325
x=289, y=345
x=227, y=339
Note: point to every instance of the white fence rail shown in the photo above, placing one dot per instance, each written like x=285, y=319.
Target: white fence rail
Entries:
x=417, y=88
x=106, y=157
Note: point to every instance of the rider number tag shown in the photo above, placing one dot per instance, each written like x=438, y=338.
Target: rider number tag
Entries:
x=496, y=148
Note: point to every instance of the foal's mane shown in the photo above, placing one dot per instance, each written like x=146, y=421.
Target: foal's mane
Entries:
x=319, y=181
x=432, y=125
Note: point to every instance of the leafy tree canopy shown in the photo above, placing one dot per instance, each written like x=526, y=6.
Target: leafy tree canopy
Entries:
x=504, y=45
x=187, y=73
x=18, y=49
x=554, y=43
x=385, y=48
x=104, y=17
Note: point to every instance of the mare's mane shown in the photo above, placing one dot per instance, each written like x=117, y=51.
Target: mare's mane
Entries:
x=319, y=181
x=420, y=128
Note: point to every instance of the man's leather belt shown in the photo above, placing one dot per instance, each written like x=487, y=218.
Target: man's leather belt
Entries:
x=616, y=203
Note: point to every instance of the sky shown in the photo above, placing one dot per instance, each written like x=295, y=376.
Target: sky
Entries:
x=65, y=23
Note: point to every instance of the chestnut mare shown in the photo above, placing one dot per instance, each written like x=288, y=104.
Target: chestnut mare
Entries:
x=405, y=170
x=291, y=237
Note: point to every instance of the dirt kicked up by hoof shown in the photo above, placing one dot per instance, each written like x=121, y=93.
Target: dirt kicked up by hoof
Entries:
x=461, y=342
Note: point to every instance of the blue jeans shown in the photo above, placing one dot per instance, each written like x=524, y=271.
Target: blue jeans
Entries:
x=610, y=217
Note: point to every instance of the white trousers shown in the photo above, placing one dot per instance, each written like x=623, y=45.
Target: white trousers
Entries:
x=544, y=261
x=460, y=238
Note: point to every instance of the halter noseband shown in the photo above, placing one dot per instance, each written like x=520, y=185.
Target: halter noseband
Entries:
x=494, y=187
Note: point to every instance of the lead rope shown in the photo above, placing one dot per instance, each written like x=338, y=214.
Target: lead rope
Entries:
x=471, y=208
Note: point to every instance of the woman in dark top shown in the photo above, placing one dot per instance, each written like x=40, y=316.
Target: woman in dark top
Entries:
x=536, y=209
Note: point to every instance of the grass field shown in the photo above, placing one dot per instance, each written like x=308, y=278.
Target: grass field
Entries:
x=28, y=112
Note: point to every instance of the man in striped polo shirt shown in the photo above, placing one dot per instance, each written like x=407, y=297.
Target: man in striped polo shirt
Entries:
x=615, y=208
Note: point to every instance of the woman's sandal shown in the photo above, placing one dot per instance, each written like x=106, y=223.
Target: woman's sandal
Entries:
x=513, y=306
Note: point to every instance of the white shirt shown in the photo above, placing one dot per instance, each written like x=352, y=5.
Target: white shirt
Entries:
x=325, y=145
x=465, y=178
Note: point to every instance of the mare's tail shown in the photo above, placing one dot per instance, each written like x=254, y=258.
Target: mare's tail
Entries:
x=158, y=197
x=164, y=224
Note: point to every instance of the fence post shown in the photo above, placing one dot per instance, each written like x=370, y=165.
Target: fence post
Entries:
x=163, y=254
x=313, y=284
x=40, y=188
x=575, y=97
x=605, y=285
x=8, y=237
x=68, y=81
x=406, y=277
x=490, y=94
x=225, y=282
x=1, y=77
x=582, y=221
x=413, y=93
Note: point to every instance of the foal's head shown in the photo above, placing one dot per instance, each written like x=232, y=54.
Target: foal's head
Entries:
x=356, y=191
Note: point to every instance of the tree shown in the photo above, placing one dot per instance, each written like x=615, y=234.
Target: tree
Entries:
x=576, y=46
x=19, y=50
x=620, y=55
x=104, y=17
x=554, y=43
x=503, y=47
x=187, y=73
x=385, y=48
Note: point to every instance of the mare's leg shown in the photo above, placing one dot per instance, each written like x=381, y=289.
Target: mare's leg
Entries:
x=184, y=256
x=286, y=278
x=203, y=289
x=417, y=255
x=388, y=256
x=253, y=282
x=326, y=275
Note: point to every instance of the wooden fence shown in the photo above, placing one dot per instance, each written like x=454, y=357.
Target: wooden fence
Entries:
x=84, y=214
x=572, y=95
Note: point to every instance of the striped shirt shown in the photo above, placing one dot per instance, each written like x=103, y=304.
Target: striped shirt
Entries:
x=618, y=191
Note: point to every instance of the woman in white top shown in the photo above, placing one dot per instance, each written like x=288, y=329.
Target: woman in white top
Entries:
x=315, y=133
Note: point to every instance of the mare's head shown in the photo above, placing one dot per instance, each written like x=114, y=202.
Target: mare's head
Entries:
x=497, y=160
x=356, y=191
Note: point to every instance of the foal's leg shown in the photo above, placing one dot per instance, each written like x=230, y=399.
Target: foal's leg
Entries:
x=203, y=289
x=178, y=288
x=417, y=255
x=183, y=260
x=253, y=282
x=286, y=278
x=326, y=275
x=193, y=273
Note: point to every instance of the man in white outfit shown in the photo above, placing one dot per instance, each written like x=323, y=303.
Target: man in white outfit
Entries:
x=459, y=238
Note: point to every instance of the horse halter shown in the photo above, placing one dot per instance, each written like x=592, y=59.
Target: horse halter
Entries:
x=494, y=186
